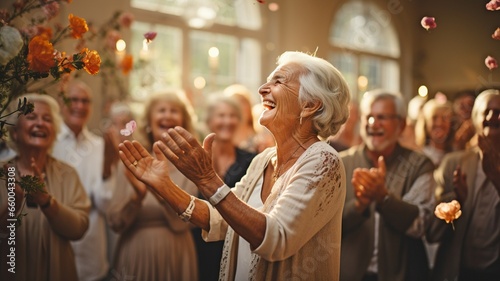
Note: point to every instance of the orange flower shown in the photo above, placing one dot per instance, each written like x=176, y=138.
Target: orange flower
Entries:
x=448, y=211
x=44, y=31
x=40, y=54
x=92, y=62
x=78, y=26
x=127, y=63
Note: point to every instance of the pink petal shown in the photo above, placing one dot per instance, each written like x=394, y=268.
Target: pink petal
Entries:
x=129, y=128
x=150, y=36
x=491, y=63
x=428, y=23
x=125, y=132
x=496, y=34
x=131, y=125
x=493, y=5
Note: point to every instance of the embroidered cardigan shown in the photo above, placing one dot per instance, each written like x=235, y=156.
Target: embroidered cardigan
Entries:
x=303, y=219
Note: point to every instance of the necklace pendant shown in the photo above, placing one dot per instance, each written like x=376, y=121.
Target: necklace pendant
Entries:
x=275, y=177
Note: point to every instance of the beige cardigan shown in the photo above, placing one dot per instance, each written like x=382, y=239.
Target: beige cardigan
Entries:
x=43, y=250
x=303, y=214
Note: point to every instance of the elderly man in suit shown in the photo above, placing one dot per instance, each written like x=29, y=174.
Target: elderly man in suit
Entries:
x=471, y=249
x=389, y=198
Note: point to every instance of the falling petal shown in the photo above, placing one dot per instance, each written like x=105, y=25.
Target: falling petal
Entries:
x=129, y=128
x=493, y=5
x=448, y=211
x=496, y=34
x=150, y=36
x=491, y=62
x=428, y=23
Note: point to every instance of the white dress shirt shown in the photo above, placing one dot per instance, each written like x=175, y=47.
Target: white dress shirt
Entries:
x=85, y=153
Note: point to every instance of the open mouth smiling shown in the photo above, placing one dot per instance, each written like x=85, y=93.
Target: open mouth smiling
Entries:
x=268, y=105
x=38, y=134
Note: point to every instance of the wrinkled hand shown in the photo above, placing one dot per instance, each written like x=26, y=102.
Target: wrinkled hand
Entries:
x=111, y=157
x=362, y=200
x=139, y=187
x=491, y=159
x=372, y=182
x=149, y=170
x=190, y=158
x=460, y=185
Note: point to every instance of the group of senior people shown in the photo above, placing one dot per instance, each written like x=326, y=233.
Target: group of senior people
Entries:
x=300, y=204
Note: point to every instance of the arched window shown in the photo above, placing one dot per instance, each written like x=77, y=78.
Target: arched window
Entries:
x=365, y=47
x=201, y=46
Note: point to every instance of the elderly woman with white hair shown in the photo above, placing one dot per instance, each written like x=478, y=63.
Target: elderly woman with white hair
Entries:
x=283, y=219
x=52, y=218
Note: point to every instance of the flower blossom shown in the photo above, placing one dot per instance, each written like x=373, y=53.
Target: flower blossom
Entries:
x=92, y=61
x=428, y=23
x=45, y=32
x=493, y=5
x=11, y=43
x=111, y=38
x=126, y=19
x=40, y=54
x=19, y=5
x=129, y=128
x=448, y=211
x=127, y=63
x=491, y=62
x=496, y=34
x=51, y=10
x=78, y=26
x=4, y=15
x=150, y=36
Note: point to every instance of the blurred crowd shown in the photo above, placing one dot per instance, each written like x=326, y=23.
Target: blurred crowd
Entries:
x=96, y=221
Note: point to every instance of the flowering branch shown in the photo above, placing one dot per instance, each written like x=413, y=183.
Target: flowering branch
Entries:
x=30, y=185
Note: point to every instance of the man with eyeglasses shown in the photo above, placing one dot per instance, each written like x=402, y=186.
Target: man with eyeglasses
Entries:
x=471, y=249
x=389, y=198
x=84, y=150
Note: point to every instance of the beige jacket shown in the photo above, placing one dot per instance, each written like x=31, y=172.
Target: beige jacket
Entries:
x=43, y=250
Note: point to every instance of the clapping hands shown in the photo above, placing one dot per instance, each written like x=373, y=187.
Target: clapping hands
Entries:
x=369, y=185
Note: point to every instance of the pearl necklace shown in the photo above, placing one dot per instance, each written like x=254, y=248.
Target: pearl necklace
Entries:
x=277, y=173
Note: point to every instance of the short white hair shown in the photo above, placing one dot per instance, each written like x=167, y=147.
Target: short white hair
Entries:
x=378, y=94
x=33, y=98
x=321, y=82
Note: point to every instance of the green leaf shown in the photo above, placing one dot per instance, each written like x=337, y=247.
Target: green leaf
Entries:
x=31, y=184
x=78, y=64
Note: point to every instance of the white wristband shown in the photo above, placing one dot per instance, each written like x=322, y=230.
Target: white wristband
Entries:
x=186, y=215
x=220, y=194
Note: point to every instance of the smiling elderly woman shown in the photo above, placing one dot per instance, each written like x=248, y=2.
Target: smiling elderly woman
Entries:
x=283, y=219
x=53, y=217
